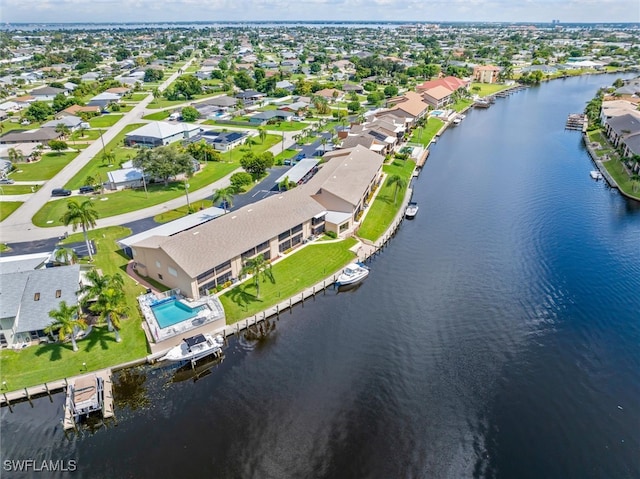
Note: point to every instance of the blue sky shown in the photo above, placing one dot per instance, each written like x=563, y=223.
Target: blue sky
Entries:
x=400, y=10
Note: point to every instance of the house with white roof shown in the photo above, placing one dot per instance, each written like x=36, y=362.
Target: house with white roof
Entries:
x=159, y=133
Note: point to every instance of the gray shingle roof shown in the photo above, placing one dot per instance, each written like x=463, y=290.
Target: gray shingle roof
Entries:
x=18, y=293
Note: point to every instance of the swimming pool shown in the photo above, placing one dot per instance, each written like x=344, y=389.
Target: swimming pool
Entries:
x=437, y=113
x=171, y=311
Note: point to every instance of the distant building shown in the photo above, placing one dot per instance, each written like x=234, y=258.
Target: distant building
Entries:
x=159, y=133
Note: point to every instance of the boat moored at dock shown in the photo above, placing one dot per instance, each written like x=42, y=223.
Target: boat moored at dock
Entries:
x=412, y=210
x=194, y=348
x=352, y=274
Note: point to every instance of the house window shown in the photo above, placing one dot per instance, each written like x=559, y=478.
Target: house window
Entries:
x=158, y=264
x=159, y=276
x=172, y=271
x=262, y=246
x=248, y=254
x=344, y=227
x=223, y=266
x=36, y=297
x=58, y=293
x=3, y=340
x=283, y=236
x=296, y=240
x=295, y=229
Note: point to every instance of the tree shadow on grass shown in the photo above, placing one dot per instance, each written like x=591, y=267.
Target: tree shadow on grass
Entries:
x=242, y=297
x=99, y=336
x=54, y=350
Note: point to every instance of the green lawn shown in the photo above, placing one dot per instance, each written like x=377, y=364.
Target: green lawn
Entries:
x=105, y=121
x=287, y=126
x=424, y=135
x=619, y=174
x=460, y=105
x=161, y=103
x=180, y=212
x=384, y=209
x=37, y=364
x=16, y=189
x=285, y=155
x=8, y=207
x=46, y=168
x=8, y=125
x=157, y=116
x=246, y=125
x=124, y=201
x=138, y=96
x=85, y=135
x=292, y=275
x=96, y=168
x=486, y=88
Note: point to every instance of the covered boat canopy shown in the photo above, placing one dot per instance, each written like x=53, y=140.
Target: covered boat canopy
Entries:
x=195, y=340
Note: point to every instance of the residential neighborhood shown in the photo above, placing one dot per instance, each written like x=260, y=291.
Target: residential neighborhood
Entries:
x=245, y=147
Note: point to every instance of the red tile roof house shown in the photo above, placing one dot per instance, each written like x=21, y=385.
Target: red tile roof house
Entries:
x=438, y=97
x=450, y=82
x=486, y=73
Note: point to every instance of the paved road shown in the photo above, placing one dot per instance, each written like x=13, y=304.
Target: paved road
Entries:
x=18, y=227
x=18, y=230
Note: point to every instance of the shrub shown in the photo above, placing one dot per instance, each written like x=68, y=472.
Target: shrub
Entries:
x=331, y=234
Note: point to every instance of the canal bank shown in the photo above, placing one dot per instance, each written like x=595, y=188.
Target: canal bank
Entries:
x=495, y=339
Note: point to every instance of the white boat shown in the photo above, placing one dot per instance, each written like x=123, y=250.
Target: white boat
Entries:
x=352, y=274
x=195, y=347
x=596, y=175
x=412, y=210
x=457, y=120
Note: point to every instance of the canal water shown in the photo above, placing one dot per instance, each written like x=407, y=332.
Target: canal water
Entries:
x=497, y=336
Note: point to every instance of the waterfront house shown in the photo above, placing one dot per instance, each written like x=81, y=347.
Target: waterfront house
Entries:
x=450, y=82
x=27, y=297
x=438, y=97
x=409, y=106
x=199, y=258
x=159, y=133
x=623, y=132
x=486, y=73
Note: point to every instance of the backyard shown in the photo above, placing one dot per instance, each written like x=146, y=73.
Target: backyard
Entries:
x=292, y=275
x=384, y=209
x=38, y=364
x=424, y=135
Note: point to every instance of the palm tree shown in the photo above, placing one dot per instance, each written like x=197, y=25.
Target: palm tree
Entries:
x=111, y=307
x=65, y=256
x=257, y=266
x=62, y=129
x=106, y=292
x=15, y=155
x=83, y=215
x=223, y=195
x=399, y=183
x=262, y=133
x=66, y=322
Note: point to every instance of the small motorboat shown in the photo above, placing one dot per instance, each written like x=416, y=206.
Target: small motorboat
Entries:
x=195, y=347
x=412, y=210
x=352, y=274
x=596, y=175
x=457, y=120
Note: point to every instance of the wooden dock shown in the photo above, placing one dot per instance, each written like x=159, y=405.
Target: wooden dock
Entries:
x=576, y=121
x=69, y=422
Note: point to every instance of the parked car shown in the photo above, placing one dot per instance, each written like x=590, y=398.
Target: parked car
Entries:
x=87, y=189
x=6, y=181
x=60, y=192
